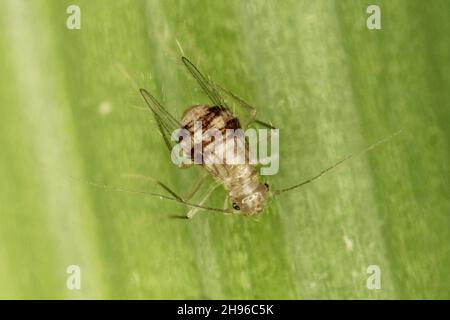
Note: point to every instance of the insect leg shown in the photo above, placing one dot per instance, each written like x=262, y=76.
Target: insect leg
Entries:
x=186, y=198
x=264, y=124
x=162, y=185
x=226, y=203
x=175, y=197
x=196, y=186
x=208, y=193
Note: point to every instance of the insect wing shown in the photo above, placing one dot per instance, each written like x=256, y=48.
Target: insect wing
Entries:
x=204, y=83
x=165, y=121
x=218, y=95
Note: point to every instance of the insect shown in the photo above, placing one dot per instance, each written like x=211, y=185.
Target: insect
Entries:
x=247, y=192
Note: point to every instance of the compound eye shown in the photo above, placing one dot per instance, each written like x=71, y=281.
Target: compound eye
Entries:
x=235, y=206
x=267, y=185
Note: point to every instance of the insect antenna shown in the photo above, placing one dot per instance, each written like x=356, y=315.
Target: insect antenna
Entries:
x=150, y=194
x=330, y=168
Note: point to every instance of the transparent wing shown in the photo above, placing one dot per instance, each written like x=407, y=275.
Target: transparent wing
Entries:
x=165, y=121
x=204, y=83
x=250, y=109
x=222, y=97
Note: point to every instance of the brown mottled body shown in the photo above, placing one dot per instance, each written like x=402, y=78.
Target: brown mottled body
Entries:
x=241, y=181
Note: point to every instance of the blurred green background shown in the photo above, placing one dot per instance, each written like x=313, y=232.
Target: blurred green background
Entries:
x=70, y=108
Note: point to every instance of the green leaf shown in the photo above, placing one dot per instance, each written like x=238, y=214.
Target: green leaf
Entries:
x=70, y=108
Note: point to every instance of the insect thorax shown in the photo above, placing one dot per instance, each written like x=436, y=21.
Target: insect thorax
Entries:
x=215, y=117
x=200, y=119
